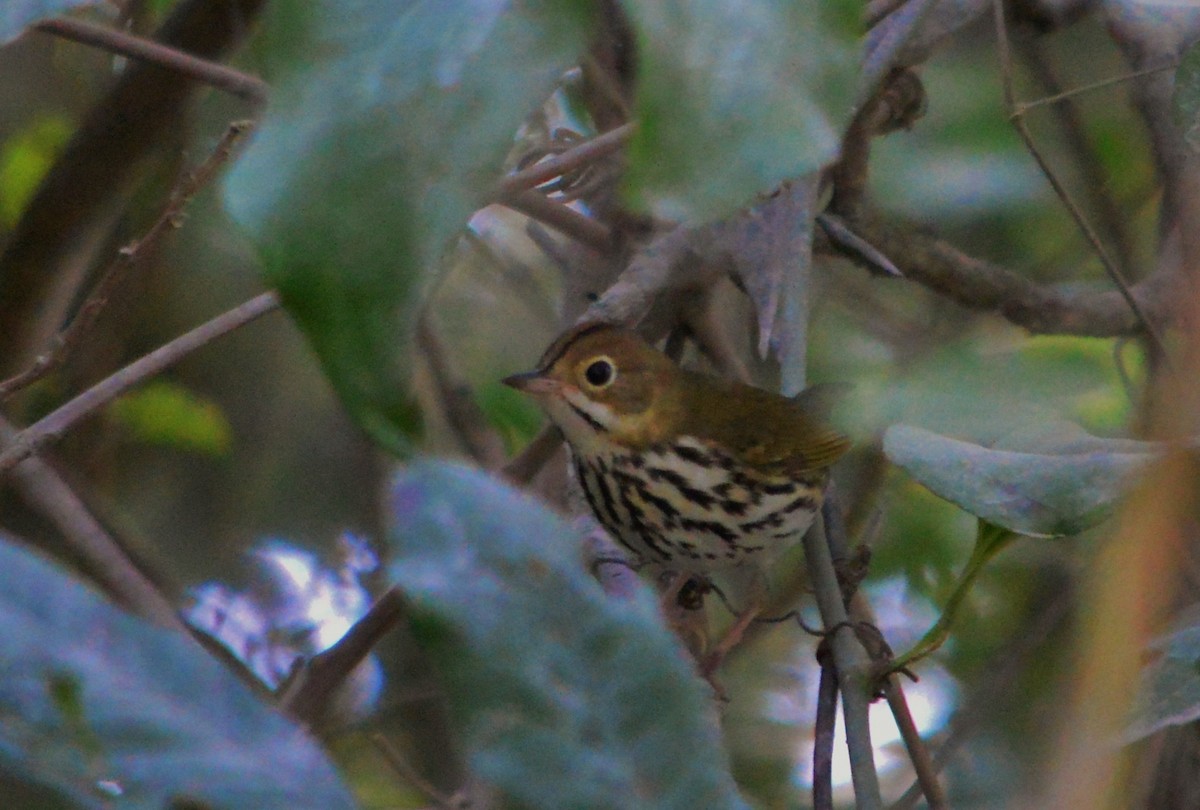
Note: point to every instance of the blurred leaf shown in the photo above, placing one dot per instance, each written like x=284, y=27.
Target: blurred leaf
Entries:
x=510, y=412
x=728, y=103
x=1186, y=101
x=167, y=414
x=373, y=158
x=24, y=161
x=16, y=14
x=970, y=388
x=102, y=710
x=1053, y=480
x=1169, y=694
x=563, y=697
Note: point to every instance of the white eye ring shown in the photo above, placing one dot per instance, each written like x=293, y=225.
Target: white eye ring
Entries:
x=600, y=372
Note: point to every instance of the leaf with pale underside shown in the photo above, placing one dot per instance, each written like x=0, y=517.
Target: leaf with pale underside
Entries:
x=1048, y=481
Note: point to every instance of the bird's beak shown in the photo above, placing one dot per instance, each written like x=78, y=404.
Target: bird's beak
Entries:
x=532, y=382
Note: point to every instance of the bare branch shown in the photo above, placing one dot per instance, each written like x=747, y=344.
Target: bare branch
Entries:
x=526, y=464
x=918, y=753
x=66, y=222
x=50, y=427
x=1151, y=329
x=127, y=257
x=411, y=775
x=45, y=491
x=1041, y=309
x=823, y=736
x=587, y=152
x=307, y=696
x=214, y=74
x=467, y=420
x=560, y=217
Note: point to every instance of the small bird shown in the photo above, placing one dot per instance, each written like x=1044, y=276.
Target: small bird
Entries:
x=692, y=474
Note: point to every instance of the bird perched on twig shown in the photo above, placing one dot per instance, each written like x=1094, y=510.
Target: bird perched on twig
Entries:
x=692, y=474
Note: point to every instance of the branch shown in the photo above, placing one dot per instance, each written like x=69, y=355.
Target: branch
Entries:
x=1041, y=309
x=468, y=422
x=45, y=491
x=852, y=664
x=64, y=223
x=586, y=153
x=306, y=696
x=1017, y=118
x=526, y=464
x=560, y=217
x=823, y=735
x=50, y=427
x=235, y=82
x=127, y=257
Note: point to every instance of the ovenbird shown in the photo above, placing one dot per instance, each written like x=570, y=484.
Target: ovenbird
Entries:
x=692, y=474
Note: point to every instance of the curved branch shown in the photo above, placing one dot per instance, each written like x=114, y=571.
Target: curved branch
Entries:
x=981, y=285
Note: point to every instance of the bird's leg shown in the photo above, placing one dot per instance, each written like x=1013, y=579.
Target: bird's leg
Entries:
x=733, y=636
x=683, y=608
x=751, y=584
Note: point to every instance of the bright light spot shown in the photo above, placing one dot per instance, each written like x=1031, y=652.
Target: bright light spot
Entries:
x=297, y=566
x=296, y=608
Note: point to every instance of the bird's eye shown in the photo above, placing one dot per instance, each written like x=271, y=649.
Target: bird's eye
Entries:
x=600, y=372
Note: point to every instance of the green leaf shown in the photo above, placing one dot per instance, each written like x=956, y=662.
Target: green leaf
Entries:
x=100, y=709
x=727, y=100
x=563, y=697
x=372, y=159
x=16, y=14
x=1169, y=694
x=24, y=161
x=1051, y=480
x=1186, y=101
x=167, y=414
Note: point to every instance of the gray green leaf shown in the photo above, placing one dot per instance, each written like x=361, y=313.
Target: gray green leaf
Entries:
x=734, y=98
x=99, y=709
x=563, y=697
x=1048, y=481
x=373, y=158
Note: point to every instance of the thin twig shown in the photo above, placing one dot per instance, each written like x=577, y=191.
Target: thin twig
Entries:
x=823, y=734
x=469, y=423
x=852, y=664
x=44, y=490
x=526, y=464
x=981, y=285
x=560, y=217
x=51, y=426
x=918, y=752
x=585, y=153
x=1018, y=121
x=1025, y=106
x=235, y=82
x=307, y=696
x=410, y=774
x=1002, y=670
x=860, y=611
x=127, y=257
x=1093, y=179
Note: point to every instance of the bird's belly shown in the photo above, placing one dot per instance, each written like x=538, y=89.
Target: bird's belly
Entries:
x=693, y=509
